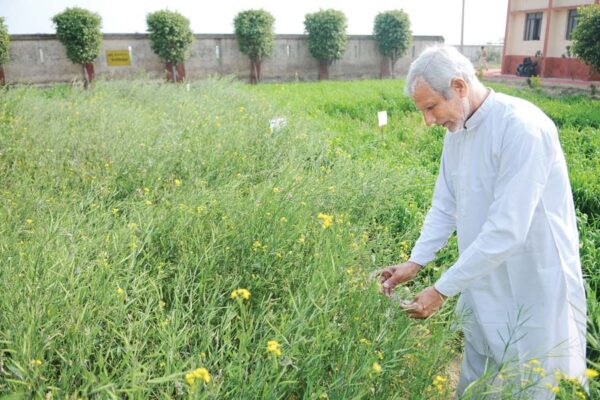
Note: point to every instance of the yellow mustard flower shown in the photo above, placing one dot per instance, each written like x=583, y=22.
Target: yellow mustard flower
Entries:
x=36, y=362
x=244, y=293
x=591, y=373
x=190, y=379
x=273, y=347
x=376, y=368
x=177, y=182
x=203, y=374
x=326, y=220
x=539, y=370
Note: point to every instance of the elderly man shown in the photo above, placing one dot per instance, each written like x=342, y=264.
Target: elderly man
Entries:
x=503, y=187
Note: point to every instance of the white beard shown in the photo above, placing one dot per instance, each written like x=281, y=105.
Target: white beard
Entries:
x=466, y=113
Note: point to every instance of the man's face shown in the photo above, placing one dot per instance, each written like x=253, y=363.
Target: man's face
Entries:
x=450, y=113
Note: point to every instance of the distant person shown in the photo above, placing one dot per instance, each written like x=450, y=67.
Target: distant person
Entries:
x=483, y=58
x=503, y=187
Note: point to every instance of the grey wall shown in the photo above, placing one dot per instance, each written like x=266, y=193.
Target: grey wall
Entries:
x=472, y=52
x=43, y=59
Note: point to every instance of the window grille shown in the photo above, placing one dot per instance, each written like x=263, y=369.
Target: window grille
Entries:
x=533, y=26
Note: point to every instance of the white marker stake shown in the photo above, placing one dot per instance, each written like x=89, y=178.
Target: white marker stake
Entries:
x=381, y=119
x=277, y=123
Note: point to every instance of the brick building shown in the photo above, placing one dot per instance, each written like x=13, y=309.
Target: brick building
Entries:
x=544, y=27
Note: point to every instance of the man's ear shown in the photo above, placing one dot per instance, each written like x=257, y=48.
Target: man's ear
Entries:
x=460, y=86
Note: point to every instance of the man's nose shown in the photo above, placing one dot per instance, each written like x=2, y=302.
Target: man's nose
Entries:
x=429, y=119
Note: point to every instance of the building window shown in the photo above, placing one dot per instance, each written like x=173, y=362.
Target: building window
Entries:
x=571, y=23
x=533, y=26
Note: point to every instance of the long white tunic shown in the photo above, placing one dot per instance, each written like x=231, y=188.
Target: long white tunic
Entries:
x=503, y=186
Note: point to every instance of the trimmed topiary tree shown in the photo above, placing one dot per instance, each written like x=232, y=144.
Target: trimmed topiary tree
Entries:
x=586, y=36
x=170, y=38
x=255, y=35
x=326, y=37
x=79, y=31
x=392, y=31
x=4, y=42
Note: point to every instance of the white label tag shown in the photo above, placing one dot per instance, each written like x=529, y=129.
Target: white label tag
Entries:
x=277, y=123
x=381, y=118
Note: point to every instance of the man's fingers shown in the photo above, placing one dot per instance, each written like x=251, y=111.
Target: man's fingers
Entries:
x=385, y=274
x=391, y=283
x=418, y=312
x=377, y=274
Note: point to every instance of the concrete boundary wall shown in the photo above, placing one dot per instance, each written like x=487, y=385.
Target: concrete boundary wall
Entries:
x=42, y=58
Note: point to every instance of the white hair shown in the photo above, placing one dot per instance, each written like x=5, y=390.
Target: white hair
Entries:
x=437, y=66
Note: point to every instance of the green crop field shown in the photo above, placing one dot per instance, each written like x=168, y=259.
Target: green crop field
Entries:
x=160, y=241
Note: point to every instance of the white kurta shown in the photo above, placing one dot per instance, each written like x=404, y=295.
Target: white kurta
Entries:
x=503, y=186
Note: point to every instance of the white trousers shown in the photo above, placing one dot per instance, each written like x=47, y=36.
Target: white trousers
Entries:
x=475, y=366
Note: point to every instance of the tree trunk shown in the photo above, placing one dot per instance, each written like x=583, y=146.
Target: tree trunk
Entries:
x=253, y=78
x=323, y=70
x=88, y=74
x=393, y=63
x=255, y=71
x=180, y=72
x=2, y=79
x=385, y=67
x=175, y=72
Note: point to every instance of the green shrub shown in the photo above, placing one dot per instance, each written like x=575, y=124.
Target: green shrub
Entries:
x=4, y=42
x=326, y=37
x=586, y=36
x=570, y=110
x=144, y=221
x=79, y=31
x=170, y=36
x=392, y=31
x=535, y=83
x=255, y=36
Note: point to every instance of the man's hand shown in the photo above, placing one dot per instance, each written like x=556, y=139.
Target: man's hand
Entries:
x=390, y=277
x=425, y=303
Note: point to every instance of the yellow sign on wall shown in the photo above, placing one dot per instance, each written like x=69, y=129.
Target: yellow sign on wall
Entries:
x=118, y=58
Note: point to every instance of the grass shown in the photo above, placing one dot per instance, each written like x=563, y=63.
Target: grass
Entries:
x=133, y=211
